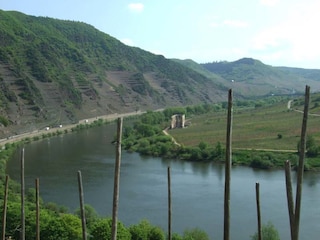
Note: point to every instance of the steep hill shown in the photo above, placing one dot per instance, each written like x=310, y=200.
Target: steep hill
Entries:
x=56, y=72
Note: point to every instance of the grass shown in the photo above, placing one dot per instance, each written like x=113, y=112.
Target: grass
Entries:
x=252, y=129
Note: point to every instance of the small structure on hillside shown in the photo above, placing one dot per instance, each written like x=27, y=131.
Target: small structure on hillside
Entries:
x=178, y=121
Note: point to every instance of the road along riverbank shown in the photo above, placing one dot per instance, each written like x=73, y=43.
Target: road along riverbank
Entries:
x=64, y=128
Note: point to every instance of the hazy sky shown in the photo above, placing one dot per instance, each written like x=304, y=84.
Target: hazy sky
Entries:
x=277, y=32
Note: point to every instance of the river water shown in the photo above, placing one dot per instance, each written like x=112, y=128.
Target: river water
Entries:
x=197, y=188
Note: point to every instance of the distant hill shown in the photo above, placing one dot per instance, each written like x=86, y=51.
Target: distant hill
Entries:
x=57, y=72
x=251, y=77
x=310, y=74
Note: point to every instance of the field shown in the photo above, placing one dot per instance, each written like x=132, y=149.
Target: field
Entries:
x=275, y=127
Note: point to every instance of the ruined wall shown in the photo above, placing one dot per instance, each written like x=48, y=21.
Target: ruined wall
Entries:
x=178, y=121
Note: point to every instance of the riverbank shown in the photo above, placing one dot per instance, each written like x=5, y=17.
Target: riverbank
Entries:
x=149, y=139
x=65, y=128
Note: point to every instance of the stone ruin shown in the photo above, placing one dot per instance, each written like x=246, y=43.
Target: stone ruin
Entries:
x=178, y=121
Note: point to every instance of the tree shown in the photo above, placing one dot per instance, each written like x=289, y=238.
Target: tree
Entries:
x=176, y=236
x=13, y=220
x=196, y=154
x=218, y=152
x=145, y=130
x=311, y=147
x=269, y=232
x=145, y=231
x=52, y=227
x=203, y=145
x=156, y=233
x=72, y=226
x=195, y=234
x=101, y=229
x=90, y=213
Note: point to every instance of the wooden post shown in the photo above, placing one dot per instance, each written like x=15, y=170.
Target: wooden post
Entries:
x=290, y=196
x=301, y=163
x=116, y=181
x=22, y=233
x=169, y=205
x=82, y=209
x=37, y=210
x=4, y=215
x=258, y=211
x=227, y=170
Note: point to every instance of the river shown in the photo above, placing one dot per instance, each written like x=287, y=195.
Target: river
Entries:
x=197, y=188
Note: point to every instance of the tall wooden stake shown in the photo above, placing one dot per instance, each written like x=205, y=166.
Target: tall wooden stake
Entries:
x=258, y=211
x=116, y=182
x=82, y=209
x=290, y=197
x=37, y=210
x=22, y=234
x=169, y=205
x=301, y=163
x=4, y=215
x=227, y=170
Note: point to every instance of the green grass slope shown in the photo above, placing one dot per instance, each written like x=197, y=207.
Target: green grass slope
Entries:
x=257, y=128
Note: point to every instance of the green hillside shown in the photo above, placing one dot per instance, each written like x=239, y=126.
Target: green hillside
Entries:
x=251, y=77
x=54, y=71
x=312, y=74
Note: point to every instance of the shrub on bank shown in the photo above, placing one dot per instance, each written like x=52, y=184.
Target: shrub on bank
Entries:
x=269, y=232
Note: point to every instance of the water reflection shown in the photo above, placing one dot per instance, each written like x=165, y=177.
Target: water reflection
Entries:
x=311, y=179
x=219, y=170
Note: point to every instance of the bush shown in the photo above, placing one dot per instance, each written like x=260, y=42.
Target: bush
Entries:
x=258, y=162
x=4, y=121
x=269, y=232
x=195, y=234
x=90, y=214
x=145, y=231
x=101, y=229
x=311, y=147
x=176, y=236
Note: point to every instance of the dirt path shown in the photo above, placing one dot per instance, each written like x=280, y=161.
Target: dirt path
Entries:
x=267, y=150
x=299, y=111
x=165, y=131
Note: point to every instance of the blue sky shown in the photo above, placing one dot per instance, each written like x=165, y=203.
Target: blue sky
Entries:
x=277, y=32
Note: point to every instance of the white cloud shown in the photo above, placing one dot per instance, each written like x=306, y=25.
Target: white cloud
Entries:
x=268, y=38
x=270, y=3
x=273, y=57
x=136, y=7
x=239, y=52
x=228, y=23
x=235, y=23
x=296, y=38
x=214, y=24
